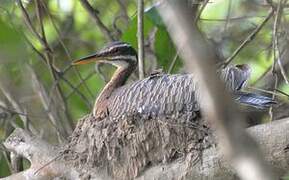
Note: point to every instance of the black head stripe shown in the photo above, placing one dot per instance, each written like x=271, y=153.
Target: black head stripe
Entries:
x=119, y=48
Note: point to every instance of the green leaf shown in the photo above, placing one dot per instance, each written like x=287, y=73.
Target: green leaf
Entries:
x=4, y=170
x=11, y=44
x=12, y=52
x=165, y=50
x=154, y=16
x=130, y=35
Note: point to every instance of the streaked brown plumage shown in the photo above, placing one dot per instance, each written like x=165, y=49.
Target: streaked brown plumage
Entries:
x=162, y=94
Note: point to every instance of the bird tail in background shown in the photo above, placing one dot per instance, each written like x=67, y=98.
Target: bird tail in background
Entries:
x=255, y=100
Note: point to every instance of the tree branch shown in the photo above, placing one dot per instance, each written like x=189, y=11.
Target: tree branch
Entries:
x=39, y=153
x=140, y=39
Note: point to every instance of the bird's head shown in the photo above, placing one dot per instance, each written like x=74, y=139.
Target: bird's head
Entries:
x=236, y=77
x=119, y=54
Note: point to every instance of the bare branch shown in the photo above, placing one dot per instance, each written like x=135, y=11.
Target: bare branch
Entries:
x=173, y=62
x=123, y=10
x=276, y=53
x=28, y=22
x=48, y=57
x=201, y=10
x=52, y=113
x=38, y=153
x=228, y=15
x=45, y=45
x=17, y=108
x=140, y=37
x=276, y=41
x=65, y=49
x=79, y=84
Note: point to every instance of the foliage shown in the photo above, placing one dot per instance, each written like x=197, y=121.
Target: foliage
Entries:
x=68, y=32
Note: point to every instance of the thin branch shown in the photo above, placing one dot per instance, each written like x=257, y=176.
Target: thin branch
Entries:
x=14, y=111
x=172, y=65
x=39, y=15
x=94, y=14
x=264, y=91
x=87, y=101
x=100, y=73
x=48, y=55
x=248, y=39
x=53, y=70
x=52, y=114
x=48, y=163
x=28, y=22
x=275, y=52
x=140, y=38
x=82, y=96
x=17, y=108
x=273, y=96
x=34, y=49
x=201, y=10
x=79, y=84
x=275, y=37
x=64, y=47
x=228, y=15
x=239, y=18
x=282, y=92
x=282, y=70
x=122, y=16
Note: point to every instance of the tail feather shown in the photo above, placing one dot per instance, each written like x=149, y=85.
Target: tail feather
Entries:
x=255, y=100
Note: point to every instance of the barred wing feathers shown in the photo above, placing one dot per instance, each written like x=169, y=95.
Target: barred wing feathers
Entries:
x=160, y=95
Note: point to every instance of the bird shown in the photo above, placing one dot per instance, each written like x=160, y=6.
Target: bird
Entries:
x=164, y=94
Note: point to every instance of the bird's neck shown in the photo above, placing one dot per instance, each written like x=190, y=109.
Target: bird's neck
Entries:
x=118, y=79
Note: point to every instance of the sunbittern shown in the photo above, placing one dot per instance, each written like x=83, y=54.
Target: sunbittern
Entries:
x=162, y=94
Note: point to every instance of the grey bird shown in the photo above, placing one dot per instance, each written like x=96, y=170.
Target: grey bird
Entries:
x=163, y=94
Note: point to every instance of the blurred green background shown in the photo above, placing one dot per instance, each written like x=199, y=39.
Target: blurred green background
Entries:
x=41, y=92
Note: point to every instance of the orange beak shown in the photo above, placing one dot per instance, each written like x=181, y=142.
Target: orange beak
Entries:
x=88, y=59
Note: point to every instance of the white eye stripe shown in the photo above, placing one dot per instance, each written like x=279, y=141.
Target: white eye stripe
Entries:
x=133, y=58
x=118, y=46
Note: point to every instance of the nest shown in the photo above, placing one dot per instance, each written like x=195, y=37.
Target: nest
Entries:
x=123, y=148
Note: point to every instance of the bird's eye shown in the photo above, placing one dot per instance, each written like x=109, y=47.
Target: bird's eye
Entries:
x=115, y=50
